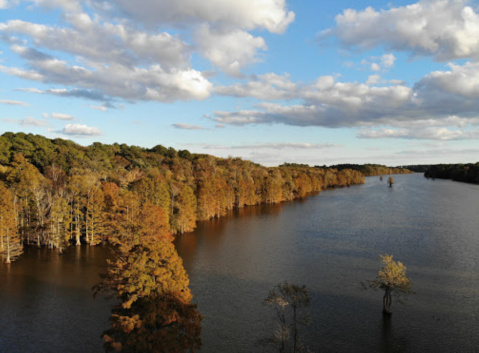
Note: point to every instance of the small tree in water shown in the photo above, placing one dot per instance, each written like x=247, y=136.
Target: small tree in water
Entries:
x=392, y=279
x=294, y=297
x=390, y=181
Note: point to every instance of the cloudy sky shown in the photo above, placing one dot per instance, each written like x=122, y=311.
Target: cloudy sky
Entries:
x=273, y=81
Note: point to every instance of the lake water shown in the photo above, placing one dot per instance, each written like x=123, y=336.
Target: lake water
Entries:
x=329, y=242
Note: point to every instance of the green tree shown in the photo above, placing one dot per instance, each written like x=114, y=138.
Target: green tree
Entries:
x=392, y=280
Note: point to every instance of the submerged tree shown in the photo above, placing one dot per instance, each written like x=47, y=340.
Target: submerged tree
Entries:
x=10, y=244
x=392, y=280
x=390, y=181
x=283, y=296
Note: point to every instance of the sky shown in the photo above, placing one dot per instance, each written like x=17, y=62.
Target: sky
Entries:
x=272, y=81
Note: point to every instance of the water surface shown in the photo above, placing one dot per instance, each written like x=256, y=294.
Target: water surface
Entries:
x=329, y=242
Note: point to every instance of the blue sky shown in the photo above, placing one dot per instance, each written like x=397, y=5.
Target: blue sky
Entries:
x=273, y=81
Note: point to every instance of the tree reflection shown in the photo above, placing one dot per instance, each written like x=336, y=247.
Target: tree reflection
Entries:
x=158, y=323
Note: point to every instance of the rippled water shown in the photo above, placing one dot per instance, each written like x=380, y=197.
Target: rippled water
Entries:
x=328, y=242
x=331, y=243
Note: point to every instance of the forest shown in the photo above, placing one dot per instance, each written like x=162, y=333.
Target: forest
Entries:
x=468, y=173
x=372, y=169
x=56, y=192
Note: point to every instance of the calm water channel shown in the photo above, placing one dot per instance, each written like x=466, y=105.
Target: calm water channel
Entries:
x=328, y=242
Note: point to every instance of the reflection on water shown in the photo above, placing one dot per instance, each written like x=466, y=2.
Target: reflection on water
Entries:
x=330, y=243
x=46, y=302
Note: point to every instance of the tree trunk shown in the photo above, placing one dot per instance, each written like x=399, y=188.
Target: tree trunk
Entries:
x=387, y=302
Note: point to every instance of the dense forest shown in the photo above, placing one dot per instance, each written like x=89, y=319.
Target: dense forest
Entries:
x=468, y=173
x=56, y=192
x=417, y=168
x=372, y=169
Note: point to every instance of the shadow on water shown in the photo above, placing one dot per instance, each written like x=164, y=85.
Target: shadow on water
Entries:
x=330, y=243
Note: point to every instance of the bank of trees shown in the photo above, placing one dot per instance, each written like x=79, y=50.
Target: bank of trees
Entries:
x=63, y=193
x=468, y=173
x=373, y=169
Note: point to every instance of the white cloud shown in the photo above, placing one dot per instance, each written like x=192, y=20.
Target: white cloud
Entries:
x=388, y=60
x=268, y=87
x=12, y=102
x=271, y=15
x=6, y=4
x=229, y=49
x=275, y=146
x=373, y=79
x=375, y=67
x=28, y=121
x=445, y=29
x=135, y=84
x=440, y=99
x=102, y=108
x=101, y=43
x=183, y=126
x=434, y=133
x=80, y=130
x=62, y=116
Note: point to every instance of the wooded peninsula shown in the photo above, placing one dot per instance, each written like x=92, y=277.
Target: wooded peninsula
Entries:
x=61, y=192
x=56, y=193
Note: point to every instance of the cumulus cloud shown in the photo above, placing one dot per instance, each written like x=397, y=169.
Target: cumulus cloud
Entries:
x=183, y=126
x=228, y=49
x=99, y=43
x=12, y=102
x=446, y=29
x=271, y=15
x=147, y=84
x=440, y=99
x=28, y=121
x=268, y=87
x=388, y=60
x=80, y=130
x=373, y=79
x=109, y=38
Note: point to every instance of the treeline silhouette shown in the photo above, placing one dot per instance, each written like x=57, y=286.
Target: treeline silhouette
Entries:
x=372, y=169
x=468, y=173
x=416, y=168
x=62, y=192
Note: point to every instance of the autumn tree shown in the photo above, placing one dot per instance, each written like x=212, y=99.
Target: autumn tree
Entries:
x=392, y=280
x=289, y=302
x=390, y=181
x=147, y=277
x=10, y=245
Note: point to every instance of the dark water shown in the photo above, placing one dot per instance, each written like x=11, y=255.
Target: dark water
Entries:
x=328, y=242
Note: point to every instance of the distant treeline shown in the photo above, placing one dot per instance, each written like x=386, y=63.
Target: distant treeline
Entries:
x=416, y=168
x=372, y=169
x=468, y=173
x=61, y=192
